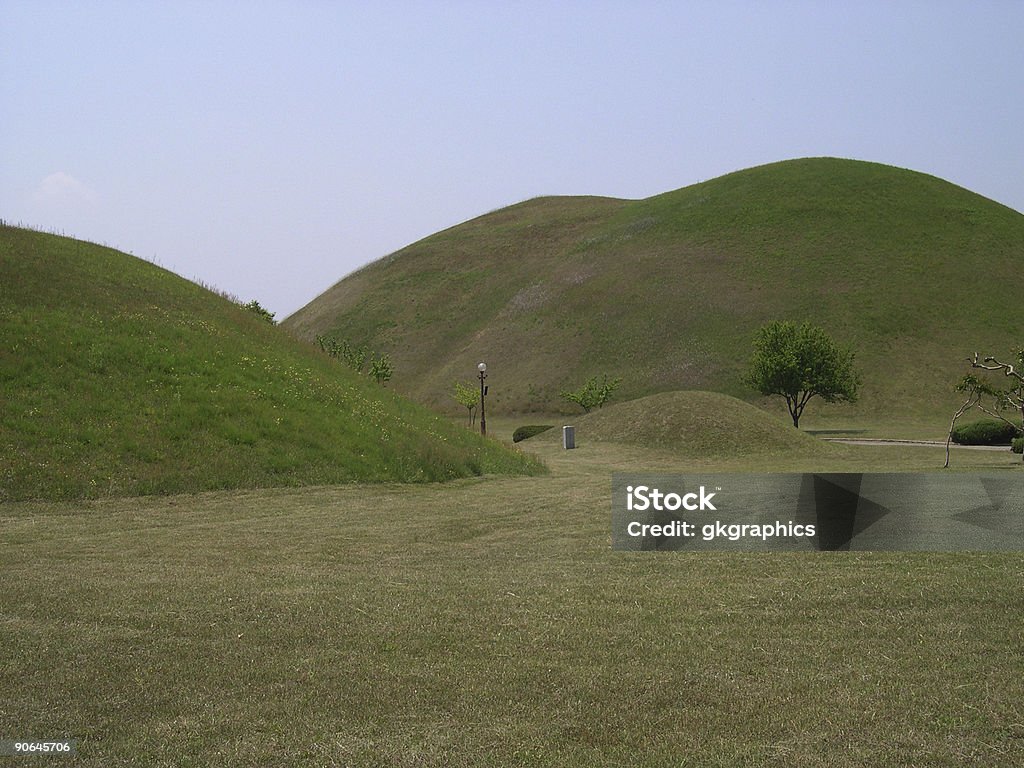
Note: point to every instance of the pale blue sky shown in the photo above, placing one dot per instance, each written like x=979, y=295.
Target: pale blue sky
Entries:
x=269, y=148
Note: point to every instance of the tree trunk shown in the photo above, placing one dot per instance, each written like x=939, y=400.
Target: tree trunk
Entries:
x=794, y=410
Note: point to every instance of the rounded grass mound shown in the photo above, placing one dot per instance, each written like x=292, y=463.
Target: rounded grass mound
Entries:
x=119, y=378
x=695, y=424
x=668, y=292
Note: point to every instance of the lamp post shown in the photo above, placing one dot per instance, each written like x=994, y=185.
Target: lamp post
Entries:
x=482, y=367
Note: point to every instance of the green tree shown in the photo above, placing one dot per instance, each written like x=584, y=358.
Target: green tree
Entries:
x=594, y=394
x=801, y=362
x=469, y=397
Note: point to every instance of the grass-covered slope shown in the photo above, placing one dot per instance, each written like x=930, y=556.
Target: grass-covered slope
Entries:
x=694, y=424
x=118, y=377
x=914, y=272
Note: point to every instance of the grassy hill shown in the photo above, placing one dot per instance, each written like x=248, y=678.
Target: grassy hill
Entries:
x=913, y=272
x=118, y=377
x=694, y=425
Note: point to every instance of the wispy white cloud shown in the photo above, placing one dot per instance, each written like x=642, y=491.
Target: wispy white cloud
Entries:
x=63, y=189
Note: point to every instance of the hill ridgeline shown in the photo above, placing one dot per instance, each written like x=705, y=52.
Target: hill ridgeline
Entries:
x=913, y=272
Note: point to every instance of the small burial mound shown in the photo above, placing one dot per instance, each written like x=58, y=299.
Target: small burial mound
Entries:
x=694, y=424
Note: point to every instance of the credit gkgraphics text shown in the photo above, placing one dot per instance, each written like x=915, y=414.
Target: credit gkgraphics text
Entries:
x=818, y=512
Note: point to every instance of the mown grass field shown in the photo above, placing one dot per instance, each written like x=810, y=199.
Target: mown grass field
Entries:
x=226, y=619
x=487, y=622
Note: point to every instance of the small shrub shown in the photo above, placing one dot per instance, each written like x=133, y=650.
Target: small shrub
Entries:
x=260, y=311
x=594, y=394
x=381, y=369
x=1017, y=446
x=985, y=432
x=354, y=357
x=524, y=433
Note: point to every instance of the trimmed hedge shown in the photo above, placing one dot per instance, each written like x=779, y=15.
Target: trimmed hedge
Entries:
x=524, y=433
x=1018, y=445
x=985, y=432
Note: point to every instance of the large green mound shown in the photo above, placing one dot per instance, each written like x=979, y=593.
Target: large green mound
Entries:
x=118, y=377
x=913, y=272
x=694, y=424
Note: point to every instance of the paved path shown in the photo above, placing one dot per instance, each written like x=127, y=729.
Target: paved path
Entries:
x=925, y=443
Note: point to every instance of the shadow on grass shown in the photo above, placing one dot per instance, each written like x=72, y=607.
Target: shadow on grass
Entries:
x=835, y=431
